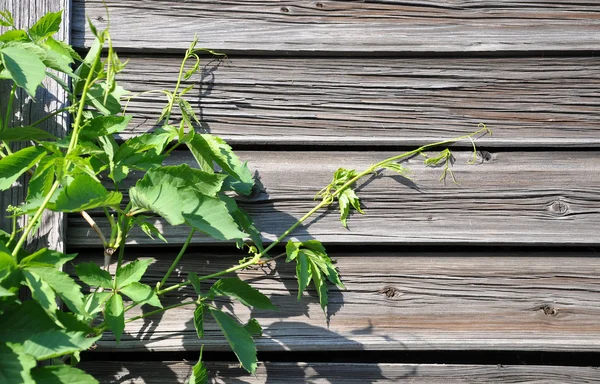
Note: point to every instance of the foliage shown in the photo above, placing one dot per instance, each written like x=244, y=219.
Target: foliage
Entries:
x=86, y=171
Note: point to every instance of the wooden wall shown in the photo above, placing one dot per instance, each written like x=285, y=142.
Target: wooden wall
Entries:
x=504, y=262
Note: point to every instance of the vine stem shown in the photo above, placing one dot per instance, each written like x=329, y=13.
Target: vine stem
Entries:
x=11, y=98
x=38, y=214
x=326, y=202
x=176, y=261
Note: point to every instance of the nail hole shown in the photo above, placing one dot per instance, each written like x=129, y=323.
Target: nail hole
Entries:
x=319, y=5
x=100, y=18
x=285, y=9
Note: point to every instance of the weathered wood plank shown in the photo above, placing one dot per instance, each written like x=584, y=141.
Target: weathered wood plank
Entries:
x=26, y=111
x=384, y=102
x=543, y=198
x=347, y=26
x=339, y=373
x=527, y=301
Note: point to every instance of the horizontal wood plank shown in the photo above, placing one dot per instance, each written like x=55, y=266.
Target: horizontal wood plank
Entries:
x=522, y=198
x=527, y=102
x=338, y=373
x=329, y=27
x=405, y=301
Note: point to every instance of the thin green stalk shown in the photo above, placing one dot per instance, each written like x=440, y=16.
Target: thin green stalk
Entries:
x=176, y=261
x=174, y=94
x=14, y=231
x=35, y=218
x=325, y=203
x=50, y=115
x=11, y=98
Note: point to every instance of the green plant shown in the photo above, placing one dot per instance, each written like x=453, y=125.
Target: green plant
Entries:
x=85, y=171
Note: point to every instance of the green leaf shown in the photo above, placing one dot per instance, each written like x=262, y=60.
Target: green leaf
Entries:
x=41, y=337
x=193, y=278
x=199, y=373
x=47, y=257
x=13, y=166
x=6, y=18
x=114, y=315
x=253, y=327
x=41, y=291
x=63, y=49
x=132, y=272
x=313, y=264
x=62, y=374
x=244, y=221
x=104, y=125
x=167, y=192
x=199, y=320
x=25, y=68
x=242, y=291
x=94, y=302
x=239, y=339
x=111, y=105
x=73, y=322
x=141, y=294
x=47, y=26
x=40, y=183
x=346, y=200
x=15, y=365
x=149, y=229
x=221, y=153
x=14, y=35
x=399, y=169
x=50, y=58
x=91, y=274
x=61, y=283
x=85, y=193
x=25, y=134
x=5, y=292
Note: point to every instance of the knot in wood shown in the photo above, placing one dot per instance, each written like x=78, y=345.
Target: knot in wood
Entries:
x=559, y=207
x=285, y=9
x=485, y=155
x=549, y=310
x=319, y=5
x=389, y=292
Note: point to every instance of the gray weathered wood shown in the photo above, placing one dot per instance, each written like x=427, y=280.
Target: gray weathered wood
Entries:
x=26, y=111
x=403, y=301
x=384, y=102
x=347, y=26
x=339, y=373
x=543, y=198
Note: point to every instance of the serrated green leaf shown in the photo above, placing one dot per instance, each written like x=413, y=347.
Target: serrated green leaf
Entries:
x=187, y=111
x=72, y=322
x=40, y=183
x=132, y=272
x=244, y=221
x=5, y=292
x=47, y=26
x=242, y=291
x=50, y=58
x=149, y=229
x=95, y=301
x=41, y=291
x=141, y=294
x=239, y=339
x=13, y=166
x=168, y=194
x=25, y=134
x=91, y=274
x=25, y=68
x=47, y=257
x=62, y=284
x=15, y=365
x=114, y=315
x=14, y=35
x=347, y=199
x=199, y=373
x=193, y=278
x=6, y=18
x=62, y=374
x=199, y=320
x=303, y=273
x=85, y=193
x=291, y=249
x=220, y=152
x=104, y=125
x=41, y=337
x=63, y=49
x=109, y=105
x=253, y=327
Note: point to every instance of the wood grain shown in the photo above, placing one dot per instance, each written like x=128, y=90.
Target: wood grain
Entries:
x=338, y=373
x=519, y=198
x=26, y=111
x=527, y=102
x=402, y=301
x=342, y=27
